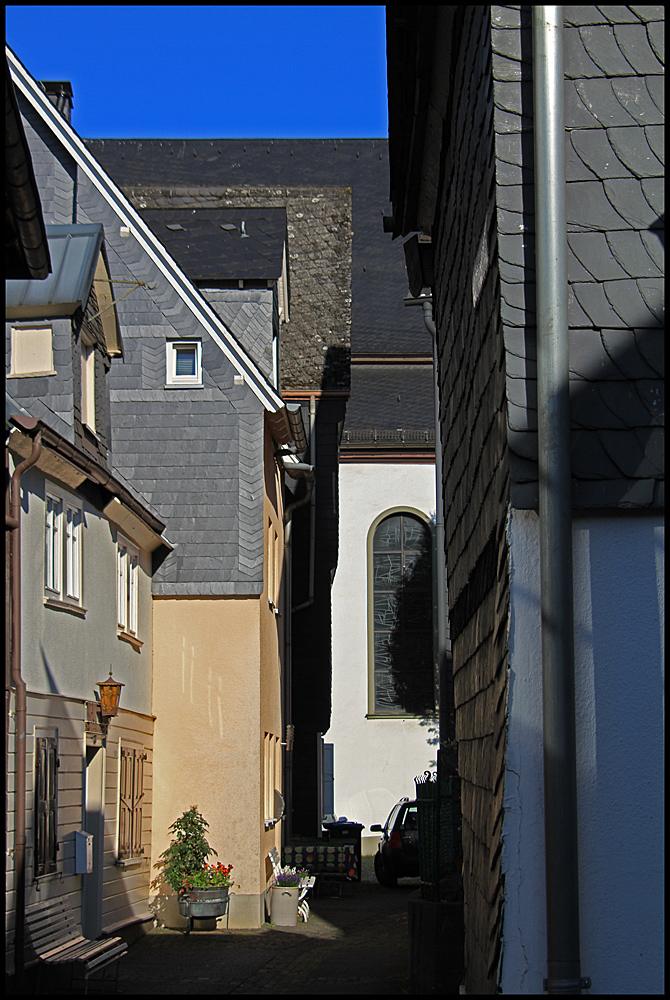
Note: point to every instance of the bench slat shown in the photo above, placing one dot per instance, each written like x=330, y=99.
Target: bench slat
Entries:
x=55, y=937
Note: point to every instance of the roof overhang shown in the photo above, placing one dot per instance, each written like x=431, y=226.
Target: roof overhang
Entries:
x=419, y=43
x=74, y=252
x=71, y=466
x=26, y=249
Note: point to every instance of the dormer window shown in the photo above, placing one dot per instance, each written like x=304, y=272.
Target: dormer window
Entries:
x=183, y=363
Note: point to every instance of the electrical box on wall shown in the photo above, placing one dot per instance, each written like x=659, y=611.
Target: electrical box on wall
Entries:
x=83, y=852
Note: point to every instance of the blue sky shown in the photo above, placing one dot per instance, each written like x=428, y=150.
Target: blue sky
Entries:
x=211, y=72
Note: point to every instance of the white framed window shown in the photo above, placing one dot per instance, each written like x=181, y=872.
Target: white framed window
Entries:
x=31, y=351
x=183, y=363
x=127, y=589
x=63, y=519
x=88, y=385
x=271, y=771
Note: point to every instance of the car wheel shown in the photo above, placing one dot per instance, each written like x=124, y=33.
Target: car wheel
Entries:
x=384, y=877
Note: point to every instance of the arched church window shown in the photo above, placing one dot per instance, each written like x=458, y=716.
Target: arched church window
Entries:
x=402, y=674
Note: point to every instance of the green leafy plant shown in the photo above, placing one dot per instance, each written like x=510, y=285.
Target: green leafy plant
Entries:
x=186, y=857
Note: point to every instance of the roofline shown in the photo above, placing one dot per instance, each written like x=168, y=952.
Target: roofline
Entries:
x=90, y=469
x=256, y=381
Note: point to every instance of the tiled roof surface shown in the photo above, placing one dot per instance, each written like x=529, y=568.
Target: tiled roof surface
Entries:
x=391, y=396
x=380, y=323
x=208, y=243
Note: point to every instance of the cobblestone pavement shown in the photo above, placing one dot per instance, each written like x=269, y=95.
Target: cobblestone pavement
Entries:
x=356, y=943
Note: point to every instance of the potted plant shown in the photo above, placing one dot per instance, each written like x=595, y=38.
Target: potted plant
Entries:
x=286, y=896
x=202, y=888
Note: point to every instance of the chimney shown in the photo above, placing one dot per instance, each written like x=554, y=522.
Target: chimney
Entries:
x=59, y=93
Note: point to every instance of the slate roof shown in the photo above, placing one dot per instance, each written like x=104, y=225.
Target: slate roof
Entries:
x=208, y=243
x=380, y=323
x=387, y=400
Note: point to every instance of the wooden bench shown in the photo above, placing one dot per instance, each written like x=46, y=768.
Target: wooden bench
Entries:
x=306, y=883
x=54, y=940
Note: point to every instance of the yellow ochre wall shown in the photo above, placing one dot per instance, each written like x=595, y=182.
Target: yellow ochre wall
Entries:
x=216, y=692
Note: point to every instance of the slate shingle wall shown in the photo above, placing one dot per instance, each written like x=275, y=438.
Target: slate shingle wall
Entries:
x=50, y=397
x=195, y=456
x=476, y=480
x=614, y=201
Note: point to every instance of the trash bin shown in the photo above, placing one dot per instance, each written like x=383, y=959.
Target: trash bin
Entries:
x=344, y=830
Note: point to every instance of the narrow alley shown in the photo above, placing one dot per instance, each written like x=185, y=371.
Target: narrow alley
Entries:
x=354, y=943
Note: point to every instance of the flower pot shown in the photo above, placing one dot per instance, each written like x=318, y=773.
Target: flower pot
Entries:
x=284, y=905
x=203, y=903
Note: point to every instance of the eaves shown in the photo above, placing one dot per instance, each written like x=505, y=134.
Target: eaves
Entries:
x=140, y=231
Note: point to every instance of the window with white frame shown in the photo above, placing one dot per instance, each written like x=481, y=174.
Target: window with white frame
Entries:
x=62, y=547
x=183, y=363
x=127, y=570
x=271, y=770
x=88, y=384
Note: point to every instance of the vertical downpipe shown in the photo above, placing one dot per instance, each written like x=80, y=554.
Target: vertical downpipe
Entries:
x=553, y=404
x=14, y=522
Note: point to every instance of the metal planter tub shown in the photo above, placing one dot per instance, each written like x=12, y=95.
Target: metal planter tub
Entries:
x=203, y=903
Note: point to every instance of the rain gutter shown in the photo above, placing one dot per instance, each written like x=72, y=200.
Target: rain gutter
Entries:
x=555, y=507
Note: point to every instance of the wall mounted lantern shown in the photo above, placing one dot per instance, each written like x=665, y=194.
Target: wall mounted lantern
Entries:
x=110, y=695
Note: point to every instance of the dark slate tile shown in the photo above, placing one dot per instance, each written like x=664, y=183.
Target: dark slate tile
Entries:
x=576, y=270
x=655, y=135
x=619, y=15
x=603, y=48
x=636, y=302
x=652, y=291
x=600, y=98
x=589, y=208
x=653, y=189
x=629, y=452
x=656, y=87
x=593, y=252
x=629, y=199
x=589, y=359
x=578, y=63
x=632, y=93
x=589, y=458
x=635, y=354
x=635, y=43
x=633, y=150
x=629, y=248
x=592, y=299
x=594, y=148
x=578, y=16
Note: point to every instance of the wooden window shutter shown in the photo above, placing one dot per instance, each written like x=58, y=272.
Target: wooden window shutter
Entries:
x=46, y=787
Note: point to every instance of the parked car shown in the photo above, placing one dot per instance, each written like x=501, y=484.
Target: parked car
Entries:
x=398, y=852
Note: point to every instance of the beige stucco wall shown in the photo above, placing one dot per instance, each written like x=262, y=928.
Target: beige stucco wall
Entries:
x=207, y=707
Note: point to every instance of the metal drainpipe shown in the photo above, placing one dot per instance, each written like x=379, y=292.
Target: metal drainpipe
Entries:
x=14, y=524
x=553, y=406
x=426, y=301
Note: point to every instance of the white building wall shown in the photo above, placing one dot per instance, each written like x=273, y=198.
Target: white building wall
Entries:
x=619, y=685
x=375, y=760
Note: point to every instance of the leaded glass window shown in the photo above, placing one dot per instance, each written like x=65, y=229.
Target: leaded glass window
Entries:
x=402, y=613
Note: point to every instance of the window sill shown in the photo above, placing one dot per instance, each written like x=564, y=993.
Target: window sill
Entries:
x=130, y=862
x=183, y=385
x=131, y=639
x=30, y=374
x=58, y=605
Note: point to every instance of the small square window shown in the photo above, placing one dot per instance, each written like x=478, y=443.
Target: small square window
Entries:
x=183, y=363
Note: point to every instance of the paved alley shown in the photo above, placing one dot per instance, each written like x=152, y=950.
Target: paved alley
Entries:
x=356, y=943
